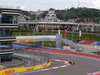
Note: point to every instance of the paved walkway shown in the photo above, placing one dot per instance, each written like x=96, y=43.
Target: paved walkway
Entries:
x=90, y=48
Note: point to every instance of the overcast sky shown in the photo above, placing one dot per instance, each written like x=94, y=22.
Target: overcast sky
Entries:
x=34, y=5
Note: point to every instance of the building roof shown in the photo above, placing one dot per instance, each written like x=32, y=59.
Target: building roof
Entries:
x=51, y=9
x=9, y=7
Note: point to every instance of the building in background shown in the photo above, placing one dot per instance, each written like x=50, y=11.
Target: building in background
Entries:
x=38, y=12
x=51, y=17
x=8, y=22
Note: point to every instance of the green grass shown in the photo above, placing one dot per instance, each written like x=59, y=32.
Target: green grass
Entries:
x=89, y=37
x=94, y=52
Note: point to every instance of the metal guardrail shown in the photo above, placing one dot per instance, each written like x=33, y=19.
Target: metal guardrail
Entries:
x=36, y=57
x=27, y=58
x=14, y=65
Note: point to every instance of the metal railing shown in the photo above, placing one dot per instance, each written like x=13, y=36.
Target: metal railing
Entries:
x=27, y=58
x=35, y=57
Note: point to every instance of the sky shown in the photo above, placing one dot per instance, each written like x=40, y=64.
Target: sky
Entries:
x=34, y=5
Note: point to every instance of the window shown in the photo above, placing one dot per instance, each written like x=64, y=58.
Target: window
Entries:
x=5, y=33
x=7, y=19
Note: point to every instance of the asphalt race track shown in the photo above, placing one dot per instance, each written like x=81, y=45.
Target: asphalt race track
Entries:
x=83, y=66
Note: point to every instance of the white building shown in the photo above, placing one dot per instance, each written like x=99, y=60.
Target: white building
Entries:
x=51, y=16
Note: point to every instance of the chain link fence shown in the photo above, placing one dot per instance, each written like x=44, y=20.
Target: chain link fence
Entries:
x=35, y=57
x=27, y=58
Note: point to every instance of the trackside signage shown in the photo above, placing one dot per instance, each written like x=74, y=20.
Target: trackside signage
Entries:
x=45, y=66
x=19, y=41
x=30, y=69
x=9, y=71
x=18, y=70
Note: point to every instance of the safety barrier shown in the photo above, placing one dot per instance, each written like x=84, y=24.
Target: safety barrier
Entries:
x=34, y=55
x=23, y=69
x=20, y=41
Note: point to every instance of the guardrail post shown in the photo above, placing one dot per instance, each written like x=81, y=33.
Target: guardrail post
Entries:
x=41, y=43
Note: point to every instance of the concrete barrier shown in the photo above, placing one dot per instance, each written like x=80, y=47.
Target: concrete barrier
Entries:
x=23, y=69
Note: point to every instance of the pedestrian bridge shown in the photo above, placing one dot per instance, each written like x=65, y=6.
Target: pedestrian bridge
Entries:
x=34, y=38
x=58, y=39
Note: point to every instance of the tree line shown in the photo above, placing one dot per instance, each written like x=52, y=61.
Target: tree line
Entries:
x=79, y=14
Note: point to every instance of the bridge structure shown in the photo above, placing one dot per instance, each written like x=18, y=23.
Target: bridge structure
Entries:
x=40, y=39
x=76, y=26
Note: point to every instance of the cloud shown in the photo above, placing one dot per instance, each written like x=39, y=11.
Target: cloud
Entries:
x=22, y=7
x=96, y=4
x=46, y=4
x=64, y=1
